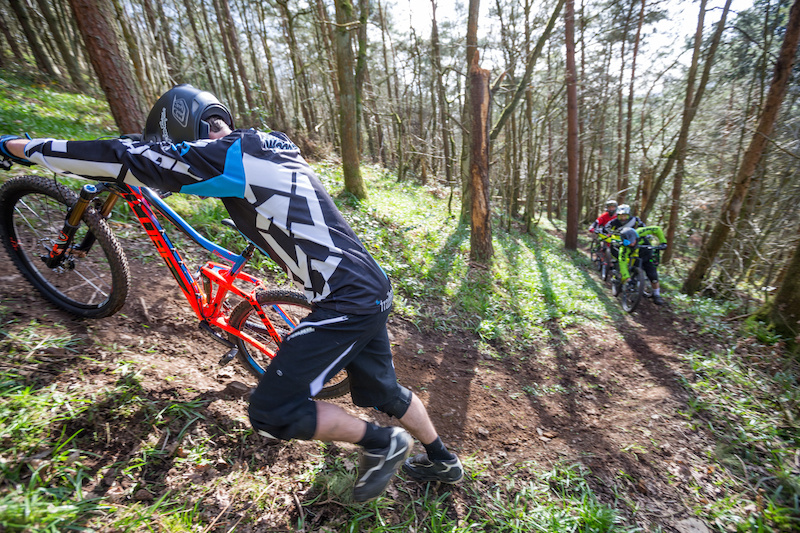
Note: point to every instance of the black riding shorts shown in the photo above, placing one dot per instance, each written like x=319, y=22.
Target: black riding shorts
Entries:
x=324, y=343
x=649, y=264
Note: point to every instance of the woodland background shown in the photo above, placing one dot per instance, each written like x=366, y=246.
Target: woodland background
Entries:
x=580, y=105
x=569, y=414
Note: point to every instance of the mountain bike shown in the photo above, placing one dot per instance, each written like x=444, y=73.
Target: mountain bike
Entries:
x=61, y=243
x=637, y=285
x=600, y=253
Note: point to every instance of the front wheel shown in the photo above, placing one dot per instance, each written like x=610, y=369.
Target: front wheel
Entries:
x=90, y=282
x=284, y=309
x=633, y=289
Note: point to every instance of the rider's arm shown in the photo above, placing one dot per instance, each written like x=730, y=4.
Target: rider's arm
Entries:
x=208, y=168
x=652, y=230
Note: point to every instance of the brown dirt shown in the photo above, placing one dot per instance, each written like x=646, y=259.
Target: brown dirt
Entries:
x=608, y=398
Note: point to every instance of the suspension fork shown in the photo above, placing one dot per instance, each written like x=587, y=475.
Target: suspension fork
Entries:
x=105, y=212
x=73, y=220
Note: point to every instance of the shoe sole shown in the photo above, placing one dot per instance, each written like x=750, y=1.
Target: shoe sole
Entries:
x=428, y=479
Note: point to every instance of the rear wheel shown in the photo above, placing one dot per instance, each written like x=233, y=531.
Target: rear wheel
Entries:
x=285, y=309
x=89, y=283
x=633, y=289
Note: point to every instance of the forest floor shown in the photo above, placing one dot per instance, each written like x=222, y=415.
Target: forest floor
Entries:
x=606, y=396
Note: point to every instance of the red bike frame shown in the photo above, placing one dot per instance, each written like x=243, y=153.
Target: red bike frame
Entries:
x=208, y=305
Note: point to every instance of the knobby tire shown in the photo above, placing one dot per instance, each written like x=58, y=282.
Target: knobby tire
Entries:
x=32, y=214
x=633, y=289
x=292, y=305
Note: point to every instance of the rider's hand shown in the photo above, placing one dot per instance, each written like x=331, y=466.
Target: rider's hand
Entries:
x=591, y=230
x=662, y=246
x=6, y=157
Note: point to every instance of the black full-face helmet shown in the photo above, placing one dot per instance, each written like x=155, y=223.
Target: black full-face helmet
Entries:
x=629, y=237
x=181, y=113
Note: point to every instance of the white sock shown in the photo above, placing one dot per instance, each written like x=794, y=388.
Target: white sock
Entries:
x=656, y=292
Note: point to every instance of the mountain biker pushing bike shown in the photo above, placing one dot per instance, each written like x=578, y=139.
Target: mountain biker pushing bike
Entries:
x=633, y=231
x=276, y=200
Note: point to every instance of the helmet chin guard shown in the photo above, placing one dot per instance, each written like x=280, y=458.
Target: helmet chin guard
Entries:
x=181, y=114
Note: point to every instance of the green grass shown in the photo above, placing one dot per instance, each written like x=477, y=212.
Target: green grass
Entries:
x=524, y=499
x=45, y=111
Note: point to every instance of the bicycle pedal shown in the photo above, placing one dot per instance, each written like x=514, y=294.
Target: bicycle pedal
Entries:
x=228, y=357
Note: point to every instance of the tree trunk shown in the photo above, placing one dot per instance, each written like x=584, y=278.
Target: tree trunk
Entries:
x=524, y=83
x=201, y=48
x=238, y=57
x=60, y=39
x=170, y=52
x=328, y=52
x=441, y=95
x=361, y=67
x=626, y=161
x=134, y=53
x=298, y=68
x=391, y=97
x=620, y=194
x=277, y=107
x=481, y=235
x=351, y=161
x=741, y=184
x=783, y=313
x=112, y=69
x=43, y=61
x=571, y=236
x=466, y=117
x=229, y=57
x=689, y=113
x=15, y=50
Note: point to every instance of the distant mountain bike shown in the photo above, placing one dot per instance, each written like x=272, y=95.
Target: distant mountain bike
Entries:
x=62, y=245
x=600, y=254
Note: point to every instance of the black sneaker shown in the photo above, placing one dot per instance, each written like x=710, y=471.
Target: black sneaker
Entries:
x=420, y=468
x=378, y=466
x=658, y=300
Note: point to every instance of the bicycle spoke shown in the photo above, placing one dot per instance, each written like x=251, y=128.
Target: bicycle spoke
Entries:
x=34, y=227
x=87, y=282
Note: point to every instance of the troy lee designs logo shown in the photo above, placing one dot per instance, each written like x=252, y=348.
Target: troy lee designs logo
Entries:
x=162, y=123
x=180, y=110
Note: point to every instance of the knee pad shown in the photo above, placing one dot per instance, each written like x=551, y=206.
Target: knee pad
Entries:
x=398, y=406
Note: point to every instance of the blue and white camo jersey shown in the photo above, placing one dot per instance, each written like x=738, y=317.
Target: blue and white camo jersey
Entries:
x=270, y=192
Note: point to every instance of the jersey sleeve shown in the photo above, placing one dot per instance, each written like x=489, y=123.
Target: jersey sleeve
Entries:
x=656, y=231
x=205, y=167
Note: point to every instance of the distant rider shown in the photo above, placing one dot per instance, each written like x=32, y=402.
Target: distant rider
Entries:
x=632, y=231
x=609, y=215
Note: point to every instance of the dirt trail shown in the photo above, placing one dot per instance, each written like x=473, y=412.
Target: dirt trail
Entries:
x=611, y=400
